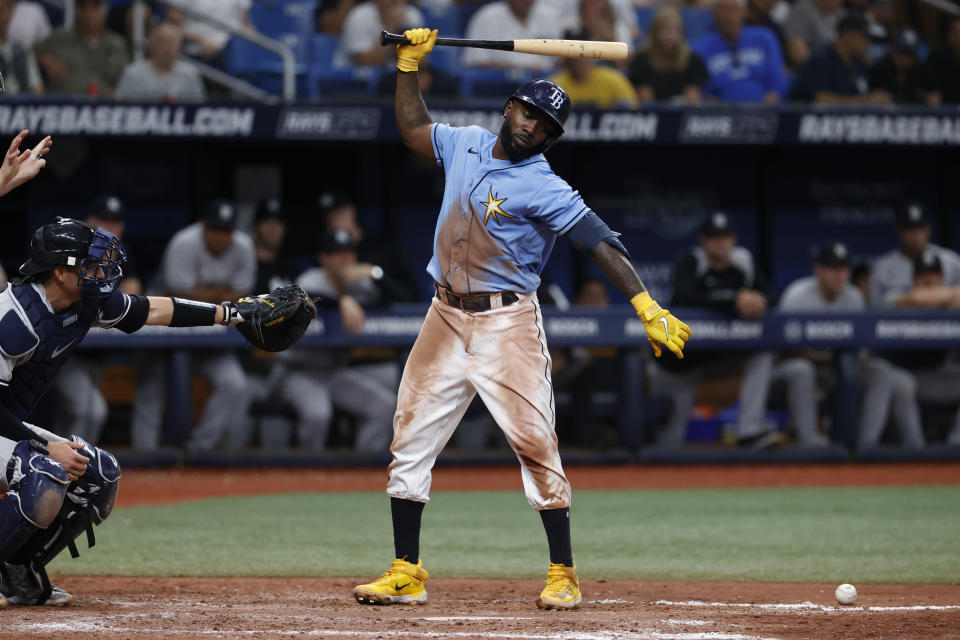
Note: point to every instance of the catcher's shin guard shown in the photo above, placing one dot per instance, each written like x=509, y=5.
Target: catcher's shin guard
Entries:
x=89, y=500
x=37, y=487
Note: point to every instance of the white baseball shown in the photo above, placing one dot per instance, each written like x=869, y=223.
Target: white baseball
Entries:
x=846, y=594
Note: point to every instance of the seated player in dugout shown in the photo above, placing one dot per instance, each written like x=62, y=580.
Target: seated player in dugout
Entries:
x=55, y=488
x=502, y=210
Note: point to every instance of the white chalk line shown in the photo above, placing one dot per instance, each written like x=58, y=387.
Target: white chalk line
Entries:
x=469, y=618
x=687, y=623
x=91, y=626
x=804, y=606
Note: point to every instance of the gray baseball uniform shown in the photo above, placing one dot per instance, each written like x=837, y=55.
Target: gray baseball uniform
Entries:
x=886, y=389
x=187, y=264
x=892, y=274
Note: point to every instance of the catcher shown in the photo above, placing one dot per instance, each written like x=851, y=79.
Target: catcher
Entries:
x=57, y=488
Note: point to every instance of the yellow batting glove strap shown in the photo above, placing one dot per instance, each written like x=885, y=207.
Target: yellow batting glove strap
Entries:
x=647, y=308
x=421, y=43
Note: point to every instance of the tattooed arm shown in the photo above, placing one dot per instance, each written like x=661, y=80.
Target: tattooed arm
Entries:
x=618, y=270
x=413, y=121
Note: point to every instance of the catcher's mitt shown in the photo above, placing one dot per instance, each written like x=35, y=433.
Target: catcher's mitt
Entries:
x=275, y=321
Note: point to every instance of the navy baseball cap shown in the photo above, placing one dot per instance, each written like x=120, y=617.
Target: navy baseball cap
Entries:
x=906, y=41
x=268, y=208
x=717, y=224
x=832, y=254
x=927, y=262
x=337, y=240
x=330, y=200
x=912, y=214
x=107, y=208
x=220, y=214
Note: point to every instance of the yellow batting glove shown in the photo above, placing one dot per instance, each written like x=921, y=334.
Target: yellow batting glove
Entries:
x=421, y=43
x=661, y=327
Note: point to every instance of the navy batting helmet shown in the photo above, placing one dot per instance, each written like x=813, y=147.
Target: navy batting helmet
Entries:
x=548, y=97
x=66, y=242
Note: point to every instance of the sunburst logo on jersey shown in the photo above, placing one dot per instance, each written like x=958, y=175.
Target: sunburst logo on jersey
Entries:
x=493, y=207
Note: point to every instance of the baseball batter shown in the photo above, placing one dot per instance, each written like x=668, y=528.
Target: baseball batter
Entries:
x=503, y=208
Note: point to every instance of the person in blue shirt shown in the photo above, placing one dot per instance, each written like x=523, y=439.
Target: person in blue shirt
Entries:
x=503, y=208
x=745, y=62
x=837, y=74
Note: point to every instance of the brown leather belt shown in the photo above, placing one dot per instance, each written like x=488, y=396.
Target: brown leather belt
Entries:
x=475, y=301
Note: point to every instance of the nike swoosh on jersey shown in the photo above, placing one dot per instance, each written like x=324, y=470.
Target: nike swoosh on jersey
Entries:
x=60, y=350
x=473, y=150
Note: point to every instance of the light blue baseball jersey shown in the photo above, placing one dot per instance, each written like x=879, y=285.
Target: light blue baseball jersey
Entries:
x=498, y=220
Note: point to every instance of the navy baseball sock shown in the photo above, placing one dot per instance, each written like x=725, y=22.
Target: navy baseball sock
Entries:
x=406, y=528
x=557, y=524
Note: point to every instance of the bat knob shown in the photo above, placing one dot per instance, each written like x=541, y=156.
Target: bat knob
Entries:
x=383, y=38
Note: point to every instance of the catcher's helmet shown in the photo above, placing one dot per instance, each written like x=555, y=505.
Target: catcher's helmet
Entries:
x=66, y=242
x=548, y=97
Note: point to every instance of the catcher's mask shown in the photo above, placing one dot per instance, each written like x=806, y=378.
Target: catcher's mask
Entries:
x=66, y=242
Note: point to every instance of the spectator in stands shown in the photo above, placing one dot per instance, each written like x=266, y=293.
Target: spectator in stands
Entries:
x=317, y=382
x=600, y=22
x=204, y=39
x=837, y=74
x=892, y=273
x=162, y=76
x=209, y=261
x=17, y=63
x=719, y=276
x=810, y=26
x=667, y=69
x=82, y=406
x=936, y=372
x=274, y=267
x=759, y=15
x=360, y=40
x=898, y=74
x=331, y=14
x=602, y=19
x=510, y=20
x=30, y=24
x=590, y=84
x=378, y=257
x=3, y=277
x=943, y=69
x=745, y=63
x=87, y=59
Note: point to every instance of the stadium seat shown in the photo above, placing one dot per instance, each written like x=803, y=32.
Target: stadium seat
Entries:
x=338, y=83
x=323, y=48
x=276, y=18
x=696, y=22
x=644, y=18
x=264, y=68
x=493, y=83
x=446, y=22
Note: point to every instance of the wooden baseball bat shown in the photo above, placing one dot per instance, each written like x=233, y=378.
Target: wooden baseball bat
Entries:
x=616, y=51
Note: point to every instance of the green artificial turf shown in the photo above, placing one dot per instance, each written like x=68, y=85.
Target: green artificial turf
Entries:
x=901, y=534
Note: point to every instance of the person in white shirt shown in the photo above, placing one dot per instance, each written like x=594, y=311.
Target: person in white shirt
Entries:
x=162, y=76
x=512, y=20
x=17, y=63
x=203, y=39
x=360, y=40
x=30, y=24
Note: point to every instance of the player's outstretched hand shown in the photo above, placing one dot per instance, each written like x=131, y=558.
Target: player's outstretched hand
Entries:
x=421, y=43
x=66, y=454
x=273, y=321
x=661, y=326
x=18, y=167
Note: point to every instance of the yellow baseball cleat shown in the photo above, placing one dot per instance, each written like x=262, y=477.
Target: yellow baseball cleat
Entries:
x=402, y=583
x=562, y=590
x=3, y=602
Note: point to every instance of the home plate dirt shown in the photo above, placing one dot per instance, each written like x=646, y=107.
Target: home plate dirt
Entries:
x=146, y=608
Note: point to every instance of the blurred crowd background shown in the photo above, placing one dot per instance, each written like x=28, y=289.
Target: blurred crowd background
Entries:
x=738, y=232
x=733, y=51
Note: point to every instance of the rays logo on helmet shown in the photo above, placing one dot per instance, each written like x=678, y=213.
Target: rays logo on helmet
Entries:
x=556, y=98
